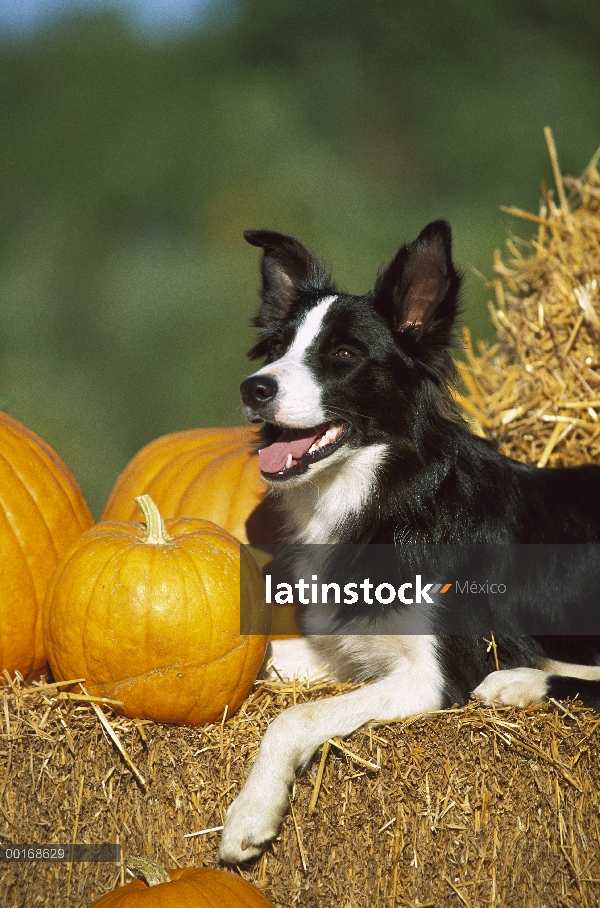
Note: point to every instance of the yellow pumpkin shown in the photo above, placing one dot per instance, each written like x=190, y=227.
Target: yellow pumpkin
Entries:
x=188, y=887
x=150, y=615
x=42, y=511
x=210, y=473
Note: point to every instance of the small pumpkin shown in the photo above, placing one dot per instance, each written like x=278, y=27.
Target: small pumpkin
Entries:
x=188, y=887
x=42, y=511
x=210, y=473
x=150, y=616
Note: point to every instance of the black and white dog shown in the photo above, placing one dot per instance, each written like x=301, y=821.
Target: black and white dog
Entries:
x=362, y=443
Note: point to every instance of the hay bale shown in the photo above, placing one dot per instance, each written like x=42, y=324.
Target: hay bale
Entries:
x=470, y=806
x=536, y=392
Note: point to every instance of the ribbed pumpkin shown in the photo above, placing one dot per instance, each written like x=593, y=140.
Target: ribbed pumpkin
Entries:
x=42, y=511
x=189, y=887
x=209, y=473
x=150, y=615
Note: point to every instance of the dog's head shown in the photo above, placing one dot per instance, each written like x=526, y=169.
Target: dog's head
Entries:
x=344, y=371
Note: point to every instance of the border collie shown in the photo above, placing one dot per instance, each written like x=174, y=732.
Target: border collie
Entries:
x=362, y=443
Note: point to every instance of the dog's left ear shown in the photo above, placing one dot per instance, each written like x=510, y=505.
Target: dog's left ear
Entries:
x=418, y=290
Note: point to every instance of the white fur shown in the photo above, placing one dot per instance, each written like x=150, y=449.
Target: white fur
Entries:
x=414, y=686
x=299, y=397
x=295, y=658
x=513, y=687
x=585, y=672
x=333, y=489
x=309, y=329
x=525, y=686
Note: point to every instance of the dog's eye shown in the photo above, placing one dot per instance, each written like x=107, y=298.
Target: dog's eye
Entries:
x=277, y=348
x=344, y=353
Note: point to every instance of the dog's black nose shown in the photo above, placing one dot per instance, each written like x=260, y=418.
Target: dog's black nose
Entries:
x=258, y=390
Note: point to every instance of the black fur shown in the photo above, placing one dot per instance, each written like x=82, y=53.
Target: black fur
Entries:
x=439, y=482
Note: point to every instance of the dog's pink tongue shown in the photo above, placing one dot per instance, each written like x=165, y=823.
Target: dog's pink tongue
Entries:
x=274, y=458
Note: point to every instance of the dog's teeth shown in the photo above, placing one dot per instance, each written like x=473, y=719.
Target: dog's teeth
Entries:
x=289, y=461
x=312, y=449
x=326, y=439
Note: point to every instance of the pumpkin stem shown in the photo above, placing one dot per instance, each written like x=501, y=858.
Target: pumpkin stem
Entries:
x=156, y=532
x=150, y=871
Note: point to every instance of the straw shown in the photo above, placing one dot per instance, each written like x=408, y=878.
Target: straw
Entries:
x=501, y=803
x=534, y=393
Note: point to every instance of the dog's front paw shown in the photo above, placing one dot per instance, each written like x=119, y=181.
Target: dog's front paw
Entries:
x=513, y=687
x=251, y=822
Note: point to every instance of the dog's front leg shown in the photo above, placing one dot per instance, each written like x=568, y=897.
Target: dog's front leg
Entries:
x=293, y=737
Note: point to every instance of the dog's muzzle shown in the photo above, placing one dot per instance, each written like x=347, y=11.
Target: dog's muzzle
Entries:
x=258, y=394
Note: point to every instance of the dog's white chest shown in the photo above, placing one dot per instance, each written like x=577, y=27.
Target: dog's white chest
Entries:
x=320, y=508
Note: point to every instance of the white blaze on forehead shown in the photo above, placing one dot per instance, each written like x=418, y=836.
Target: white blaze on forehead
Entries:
x=309, y=329
x=299, y=397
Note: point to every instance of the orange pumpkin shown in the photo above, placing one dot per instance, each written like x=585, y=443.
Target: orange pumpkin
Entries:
x=42, y=511
x=150, y=615
x=189, y=887
x=210, y=473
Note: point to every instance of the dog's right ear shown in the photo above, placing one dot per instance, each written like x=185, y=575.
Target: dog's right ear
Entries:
x=286, y=268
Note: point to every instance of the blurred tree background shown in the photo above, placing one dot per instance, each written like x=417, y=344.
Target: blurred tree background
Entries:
x=131, y=162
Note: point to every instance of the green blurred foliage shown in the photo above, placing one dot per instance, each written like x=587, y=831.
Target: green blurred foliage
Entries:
x=129, y=168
